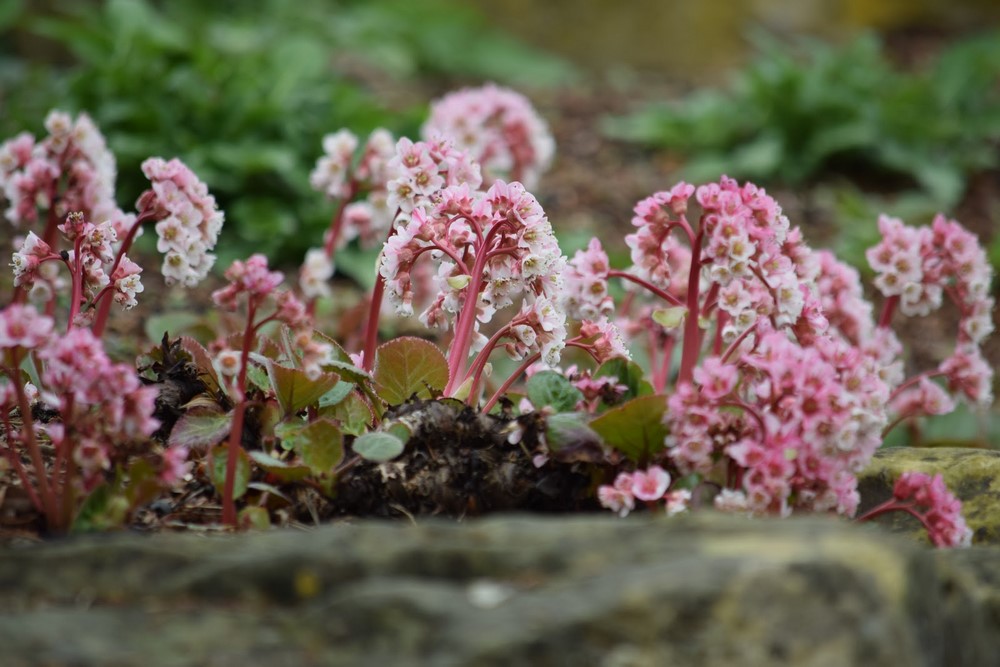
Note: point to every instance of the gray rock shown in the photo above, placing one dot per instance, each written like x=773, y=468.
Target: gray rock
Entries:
x=584, y=590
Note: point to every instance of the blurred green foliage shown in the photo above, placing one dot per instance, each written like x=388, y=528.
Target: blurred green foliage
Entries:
x=243, y=91
x=800, y=110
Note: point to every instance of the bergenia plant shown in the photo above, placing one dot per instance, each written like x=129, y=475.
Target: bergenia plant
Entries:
x=770, y=383
x=98, y=417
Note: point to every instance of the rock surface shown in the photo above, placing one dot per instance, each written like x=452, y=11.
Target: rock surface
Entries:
x=971, y=474
x=586, y=590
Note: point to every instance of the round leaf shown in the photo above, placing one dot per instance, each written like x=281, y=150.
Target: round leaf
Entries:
x=378, y=447
x=408, y=366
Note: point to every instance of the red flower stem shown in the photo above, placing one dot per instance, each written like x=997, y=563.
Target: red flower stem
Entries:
x=668, y=360
x=479, y=363
x=720, y=323
x=891, y=505
x=692, y=335
x=888, y=308
x=467, y=318
x=337, y=220
x=77, y=291
x=509, y=381
x=751, y=411
x=15, y=462
x=34, y=452
x=739, y=339
x=914, y=380
x=653, y=289
x=236, y=432
x=371, y=329
x=105, y=308
x=64, y=454
x=375, y=308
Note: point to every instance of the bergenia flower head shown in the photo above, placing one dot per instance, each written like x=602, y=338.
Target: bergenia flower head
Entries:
x=70, y=169
x=498, y=128
x=189, y=221
x=937, y=508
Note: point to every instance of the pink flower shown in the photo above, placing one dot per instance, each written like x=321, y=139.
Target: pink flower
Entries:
x=127, y=282
x=618, y=497
x=23, y=326
x=175, y=465
x=190, y=221
x=650, y=484
x=498, y=128
x=941, y=512
x=716, y=378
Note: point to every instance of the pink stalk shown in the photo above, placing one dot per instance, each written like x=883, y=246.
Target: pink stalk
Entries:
x=34, y=452
x=467, y=318
x=236, y=432
x=479, y=363
x=914, y=380
x=374, y=310
x=15, y=462
x=105, y=308
x=888, y=308
x=893, y=505
x=77, y=292
x=739, y=339
x=692, y=335
x=509, y=381
x=666, y=296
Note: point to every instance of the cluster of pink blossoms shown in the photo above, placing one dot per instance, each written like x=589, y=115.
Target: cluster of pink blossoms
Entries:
x=189, y=220
x=102, y=405
x=70, y=170
x=916, y=267
x=257, y=283
x=808, y=419
x=927, y=498
x=339, y=176
x=492, y=247
x=498, y=128
x=91, y=259
x=648, y=485
x=586, y=285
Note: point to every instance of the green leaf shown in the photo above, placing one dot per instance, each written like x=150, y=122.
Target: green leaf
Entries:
x=217, y=470
x=336, y=395
x=408, y=366
x=286, y=472
x=354, y=414
x=102, y=510
x=378, y=446
x=295, y=390
x=321, y=446
x=200, y=429
x=254, y=518
x=548, y=388
x=635, y=428
x=669, y=318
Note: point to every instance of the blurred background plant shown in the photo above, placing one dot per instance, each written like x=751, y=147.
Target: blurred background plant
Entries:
x=805, y=111
x=244, y=101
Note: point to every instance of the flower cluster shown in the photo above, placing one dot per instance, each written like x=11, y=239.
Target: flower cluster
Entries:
x=254, y=280
x=493, y=247
x=586, y=285
x=916, y=267
x=927, y=498
x=648, y=485
x=367, y=220
x=101, y=405
x=657, y=254
x=498, y=128
x=806, y=419
x=70, y=170
x=189, y=221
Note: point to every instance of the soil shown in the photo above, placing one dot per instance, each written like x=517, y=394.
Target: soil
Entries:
x=461, y=463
